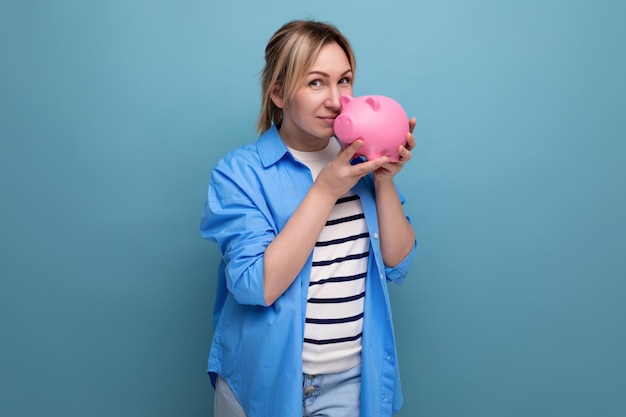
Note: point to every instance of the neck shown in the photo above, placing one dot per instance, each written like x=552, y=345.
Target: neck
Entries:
x=303, y=142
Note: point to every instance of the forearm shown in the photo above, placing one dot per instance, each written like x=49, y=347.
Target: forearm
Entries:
x=285, y=256
x=397, y=237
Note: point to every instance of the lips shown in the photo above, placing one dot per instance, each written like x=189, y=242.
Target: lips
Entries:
x=330, y=118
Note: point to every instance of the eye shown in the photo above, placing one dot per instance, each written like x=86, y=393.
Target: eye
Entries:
x=345, y=81
x=315, y=83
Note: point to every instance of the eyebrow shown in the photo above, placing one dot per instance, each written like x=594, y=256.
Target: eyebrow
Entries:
x=326, y=75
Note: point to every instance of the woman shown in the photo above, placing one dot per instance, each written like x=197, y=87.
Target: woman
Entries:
x=302, y=316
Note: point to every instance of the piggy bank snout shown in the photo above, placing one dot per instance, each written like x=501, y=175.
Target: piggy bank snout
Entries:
x=344, y=127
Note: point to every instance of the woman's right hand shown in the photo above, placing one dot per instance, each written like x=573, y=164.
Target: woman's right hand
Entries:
x=340, y=175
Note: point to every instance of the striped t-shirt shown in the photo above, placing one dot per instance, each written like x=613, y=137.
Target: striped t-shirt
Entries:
x=334, y=314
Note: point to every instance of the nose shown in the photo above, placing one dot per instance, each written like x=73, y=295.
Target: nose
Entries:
x=332, y=101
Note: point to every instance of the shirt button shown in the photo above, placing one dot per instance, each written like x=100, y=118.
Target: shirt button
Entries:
x=385, y=399
x=375, y=235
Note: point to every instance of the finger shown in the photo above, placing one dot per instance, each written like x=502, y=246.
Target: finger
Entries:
x=366, y=167
x=349, y=152
x=412, y=123
x=410, y=141
x=405, y=154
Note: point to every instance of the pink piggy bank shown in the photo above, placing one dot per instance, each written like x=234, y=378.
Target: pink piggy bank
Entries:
x=379, y=121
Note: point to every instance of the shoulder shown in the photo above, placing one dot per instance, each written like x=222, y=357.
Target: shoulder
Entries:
x=236, y=159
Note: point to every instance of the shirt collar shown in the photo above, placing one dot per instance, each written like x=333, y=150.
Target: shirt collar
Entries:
x=271, y=147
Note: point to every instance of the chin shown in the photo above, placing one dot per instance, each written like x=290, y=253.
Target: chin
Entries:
x=326, y=133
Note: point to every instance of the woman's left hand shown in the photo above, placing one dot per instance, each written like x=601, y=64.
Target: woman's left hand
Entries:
x=390, y=169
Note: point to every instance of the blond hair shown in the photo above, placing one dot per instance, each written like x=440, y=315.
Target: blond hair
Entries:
x=289, y=54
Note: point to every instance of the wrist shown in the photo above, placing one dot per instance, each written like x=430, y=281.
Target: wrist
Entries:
x=322, y=195
x=383, y=182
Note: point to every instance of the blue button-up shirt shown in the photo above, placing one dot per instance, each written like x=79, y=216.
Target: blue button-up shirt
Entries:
x=256, y=348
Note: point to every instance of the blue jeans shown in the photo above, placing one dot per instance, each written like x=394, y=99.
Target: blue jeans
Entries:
x=328, y=395
x=332, y=395
x=225, y=404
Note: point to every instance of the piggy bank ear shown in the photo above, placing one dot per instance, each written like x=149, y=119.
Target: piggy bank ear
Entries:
x=373, y=102
x=344, y=100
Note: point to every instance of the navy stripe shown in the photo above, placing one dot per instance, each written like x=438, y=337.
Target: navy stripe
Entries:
x=339, y=279
x=342, y=259
x=330, y=341
x=336, y=300
x=345, y=219
x=342, y=240
x=335, y=321
x=348, y=199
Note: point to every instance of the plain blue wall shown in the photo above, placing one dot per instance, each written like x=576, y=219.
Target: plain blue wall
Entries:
x=113, y=113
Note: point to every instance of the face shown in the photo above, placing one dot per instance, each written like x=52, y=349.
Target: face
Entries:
x=309, y=116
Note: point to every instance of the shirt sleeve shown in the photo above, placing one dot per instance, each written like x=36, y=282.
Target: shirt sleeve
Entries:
x=236, y=216
x=398, y=273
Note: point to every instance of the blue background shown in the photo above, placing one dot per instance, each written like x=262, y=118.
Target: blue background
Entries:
x=112, y=114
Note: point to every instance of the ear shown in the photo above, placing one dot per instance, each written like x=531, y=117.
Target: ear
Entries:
x=373, y=102
x=344, y=100
x=276, y=96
